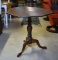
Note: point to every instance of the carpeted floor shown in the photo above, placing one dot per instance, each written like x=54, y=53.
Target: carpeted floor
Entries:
x=17, y=35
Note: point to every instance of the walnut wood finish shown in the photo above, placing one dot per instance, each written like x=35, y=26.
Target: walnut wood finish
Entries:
x=29, y=12
x=29, y=39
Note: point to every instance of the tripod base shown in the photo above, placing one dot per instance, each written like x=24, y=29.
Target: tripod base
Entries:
x=30, y=41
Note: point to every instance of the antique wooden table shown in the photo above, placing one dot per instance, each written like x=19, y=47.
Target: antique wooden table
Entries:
x=29, y=12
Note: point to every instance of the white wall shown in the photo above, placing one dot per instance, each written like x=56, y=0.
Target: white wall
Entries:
x=0, y=6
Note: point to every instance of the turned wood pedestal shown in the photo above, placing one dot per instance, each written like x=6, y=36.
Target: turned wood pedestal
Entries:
x=29, y=39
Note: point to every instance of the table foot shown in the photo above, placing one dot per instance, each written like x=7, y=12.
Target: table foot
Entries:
x=27, y=42
x=37, y=42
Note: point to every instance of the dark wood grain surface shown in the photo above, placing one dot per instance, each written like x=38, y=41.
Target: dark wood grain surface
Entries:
x=28, y=11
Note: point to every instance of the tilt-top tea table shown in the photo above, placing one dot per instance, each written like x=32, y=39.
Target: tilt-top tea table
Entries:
x=29, y=12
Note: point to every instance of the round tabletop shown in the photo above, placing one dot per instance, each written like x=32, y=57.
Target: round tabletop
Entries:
x=28, y=11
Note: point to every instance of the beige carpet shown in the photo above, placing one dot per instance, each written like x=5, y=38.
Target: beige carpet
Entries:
x=15, y=42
